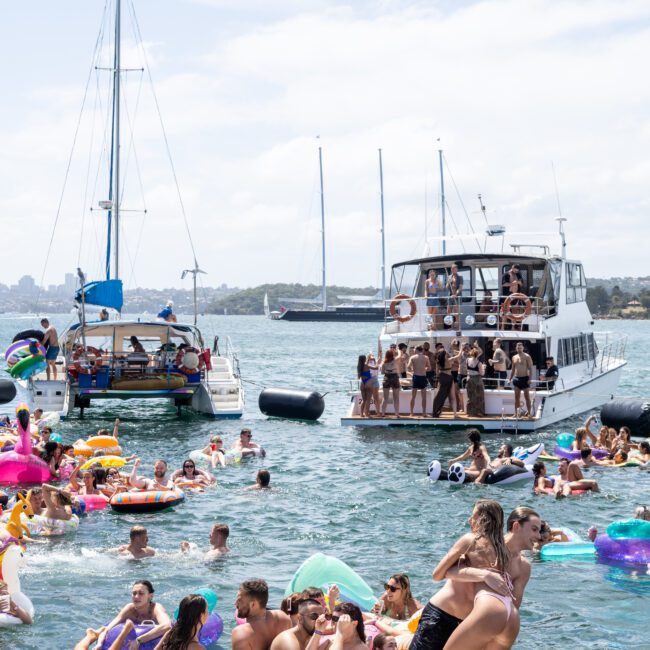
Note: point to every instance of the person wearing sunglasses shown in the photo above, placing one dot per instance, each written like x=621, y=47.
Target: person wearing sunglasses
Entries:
x=397, y=601
x=309, y=627
x=350, y=633
x=246, y=447
x=189, y=473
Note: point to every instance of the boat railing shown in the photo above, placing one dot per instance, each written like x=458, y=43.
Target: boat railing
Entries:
x=612, y=353
x=467, y=313
x=117, y=365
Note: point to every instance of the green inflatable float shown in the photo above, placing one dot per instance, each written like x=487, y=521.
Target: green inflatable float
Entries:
x=322, y=570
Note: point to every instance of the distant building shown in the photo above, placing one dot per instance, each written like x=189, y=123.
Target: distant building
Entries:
x=70, y=283
x=27, y=285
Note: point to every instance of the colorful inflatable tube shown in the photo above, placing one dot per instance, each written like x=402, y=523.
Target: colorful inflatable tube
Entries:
x=623, y=549
x=146, y=500
x=322, y=570
x=563, y=452
x=630, y=529
x=575, y=546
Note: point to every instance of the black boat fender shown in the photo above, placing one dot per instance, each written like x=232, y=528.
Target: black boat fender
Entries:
x=632, y=413
x=7, y=391
x=29, y=334
x=294, y=404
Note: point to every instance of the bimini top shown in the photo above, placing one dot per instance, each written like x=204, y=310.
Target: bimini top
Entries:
x=118, y=329
x=462, y=257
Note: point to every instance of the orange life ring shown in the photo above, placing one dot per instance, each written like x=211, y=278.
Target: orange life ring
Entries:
x=181, y=355
x=506, y=312
x=395, y=303
x=81, y=351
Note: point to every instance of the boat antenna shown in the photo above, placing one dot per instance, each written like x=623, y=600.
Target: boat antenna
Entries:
x=195, y=271
x=322, y=222
x=383, y=241
x=561, y=221
x=442, y=204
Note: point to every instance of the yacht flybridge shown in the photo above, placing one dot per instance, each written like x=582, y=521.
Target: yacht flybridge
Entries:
x=548, y=314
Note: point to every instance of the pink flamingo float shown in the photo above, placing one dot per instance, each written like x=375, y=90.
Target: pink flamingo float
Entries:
x=21, y=465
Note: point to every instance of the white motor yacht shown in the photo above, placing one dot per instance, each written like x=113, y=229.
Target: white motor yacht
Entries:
x=548, y=314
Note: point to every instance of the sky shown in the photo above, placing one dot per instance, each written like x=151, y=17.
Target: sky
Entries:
x=540, y=106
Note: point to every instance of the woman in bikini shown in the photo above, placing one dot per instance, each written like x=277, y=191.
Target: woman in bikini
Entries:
x=477, y=452
x=141, y=609
x=484, y=549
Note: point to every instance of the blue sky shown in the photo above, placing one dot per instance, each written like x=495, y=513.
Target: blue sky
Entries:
x=510, y=88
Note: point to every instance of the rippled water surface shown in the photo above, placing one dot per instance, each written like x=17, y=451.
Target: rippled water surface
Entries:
x=358, y=493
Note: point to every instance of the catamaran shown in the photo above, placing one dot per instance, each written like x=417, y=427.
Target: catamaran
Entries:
x=134, y=359
x=548, y=313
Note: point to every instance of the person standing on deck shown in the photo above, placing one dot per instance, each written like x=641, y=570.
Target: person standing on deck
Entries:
x=443, y=371
x=520, y=376
x=419, y=366
x=498, y=362
x=51, y=344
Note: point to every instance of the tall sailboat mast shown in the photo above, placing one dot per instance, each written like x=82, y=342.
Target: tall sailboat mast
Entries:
x=116, y=135
x=442, y=204
x=322, y=222
x=383, y=241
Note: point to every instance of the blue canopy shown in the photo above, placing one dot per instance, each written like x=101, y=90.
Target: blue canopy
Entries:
x=105, y=293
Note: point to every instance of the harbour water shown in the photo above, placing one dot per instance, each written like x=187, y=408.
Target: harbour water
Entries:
x=359, y=494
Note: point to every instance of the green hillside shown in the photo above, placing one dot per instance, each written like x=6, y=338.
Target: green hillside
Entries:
x=251, y=301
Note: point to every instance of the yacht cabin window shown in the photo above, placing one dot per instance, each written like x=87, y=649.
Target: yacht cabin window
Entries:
x=576, y=284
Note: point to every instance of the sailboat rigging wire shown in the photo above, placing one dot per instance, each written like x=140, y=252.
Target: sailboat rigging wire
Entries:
x=460, y=199
x=164, y=132
x=67, y=169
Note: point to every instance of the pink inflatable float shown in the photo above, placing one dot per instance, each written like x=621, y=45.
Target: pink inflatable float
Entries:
x=20, y=465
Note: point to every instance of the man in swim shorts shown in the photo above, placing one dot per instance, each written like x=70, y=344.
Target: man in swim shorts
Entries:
x=159, y=481
x=573, y=477
x=520, y=376
x=51, y=345
x=310, y=627
x=448, y=607
x=137, y=545
x=419, y=365
x=262, y=624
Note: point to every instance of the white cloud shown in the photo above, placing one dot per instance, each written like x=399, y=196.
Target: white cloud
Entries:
x=509, y=87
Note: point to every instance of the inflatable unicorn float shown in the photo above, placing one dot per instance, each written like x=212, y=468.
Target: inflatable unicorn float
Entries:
x=11, y=559
x=20, y=465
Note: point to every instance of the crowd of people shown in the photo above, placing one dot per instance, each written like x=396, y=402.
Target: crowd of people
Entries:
x=445, y=372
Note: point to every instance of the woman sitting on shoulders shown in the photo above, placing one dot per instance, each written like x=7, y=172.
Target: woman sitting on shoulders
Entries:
x=58, y=503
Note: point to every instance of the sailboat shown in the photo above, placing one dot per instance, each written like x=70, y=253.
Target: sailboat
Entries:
x=356, y=308
x=273, y=315
x=135, y=359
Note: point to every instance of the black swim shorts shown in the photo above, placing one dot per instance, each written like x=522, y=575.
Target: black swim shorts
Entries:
x=521, y=383
x=419, y=382
x=434, y=629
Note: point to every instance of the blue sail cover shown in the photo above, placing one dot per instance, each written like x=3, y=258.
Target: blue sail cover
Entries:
x=105, y=293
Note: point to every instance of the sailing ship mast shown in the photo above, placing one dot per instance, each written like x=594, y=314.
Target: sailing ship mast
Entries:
x=113, y=203
x=383, y=243
x=322, y=222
